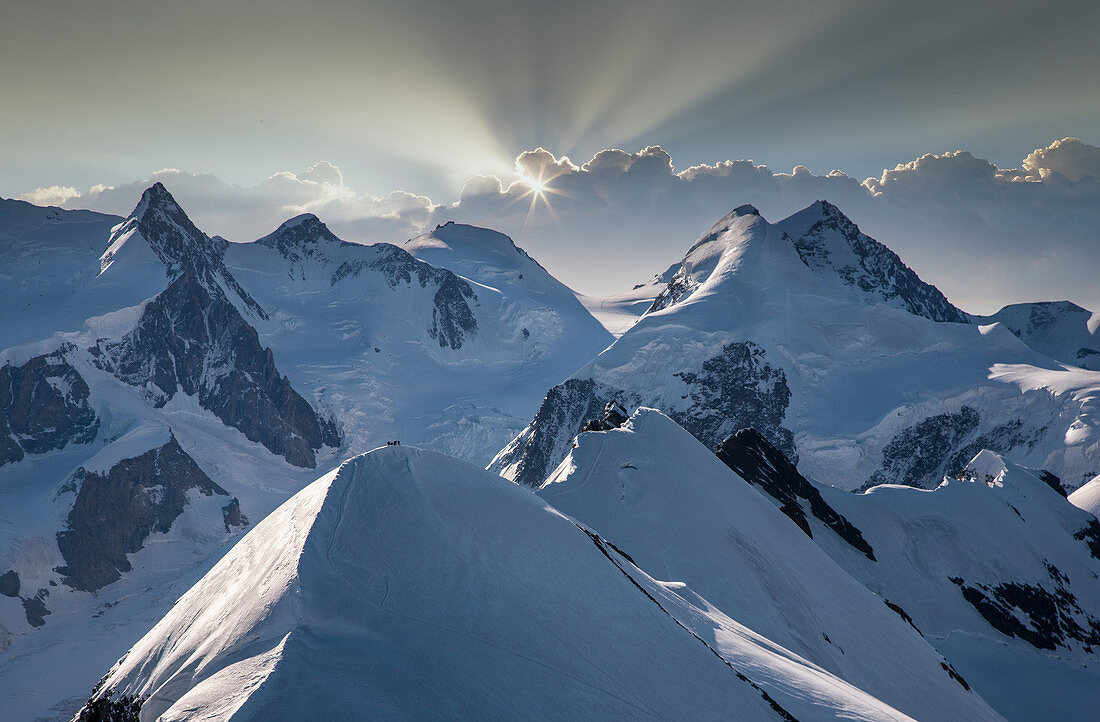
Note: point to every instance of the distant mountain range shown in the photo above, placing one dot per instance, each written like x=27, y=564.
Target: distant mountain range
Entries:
x=168, y=401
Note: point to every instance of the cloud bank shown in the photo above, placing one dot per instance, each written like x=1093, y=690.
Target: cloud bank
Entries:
x=985, y=235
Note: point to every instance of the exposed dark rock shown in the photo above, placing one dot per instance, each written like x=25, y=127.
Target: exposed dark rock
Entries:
x=756, y=461
x=301, y=238
x=734, y=390
x=452, y=318
x=614, y=416
x=43, y=406
x=1053, y=618
x=1001, y=439
x=1090, y=534
x=9, y=583
x=231, y=514
x=922, y=454
x=195, y=341
x=546, y=440
x=917, y=455
x=905, y=616
x=1052, y=481
x=35, y=608
x=877, y=271
x=115, y=511
x=953, y=673
x=126, y=708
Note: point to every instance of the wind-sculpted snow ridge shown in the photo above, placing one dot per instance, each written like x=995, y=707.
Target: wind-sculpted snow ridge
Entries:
x=1059, y=329
x=999, y=572
x=408, y=584
x=825, y=343
x=669, y=503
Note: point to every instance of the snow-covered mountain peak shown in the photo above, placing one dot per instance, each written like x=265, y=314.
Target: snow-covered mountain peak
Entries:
x=474, y=243
x=165, y=229
x=303, y=236
x=831, y=245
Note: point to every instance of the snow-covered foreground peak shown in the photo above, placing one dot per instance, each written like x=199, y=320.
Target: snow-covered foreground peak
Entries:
x=408, y=584
x=666, y=500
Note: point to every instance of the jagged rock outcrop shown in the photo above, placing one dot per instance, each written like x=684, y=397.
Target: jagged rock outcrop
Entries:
x=756, y=461
x=453, y=319
x=116, y=509
x=192, y=339
x=43, y=406
x=614, y=416
x=532, y=455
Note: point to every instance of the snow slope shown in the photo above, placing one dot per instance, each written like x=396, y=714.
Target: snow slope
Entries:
x=830, y=347
x=663, y=498
x=408, y=584
x=999, y=572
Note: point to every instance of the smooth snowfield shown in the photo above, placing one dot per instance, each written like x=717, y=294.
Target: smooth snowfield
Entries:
x=408, y=584
x=665, y=499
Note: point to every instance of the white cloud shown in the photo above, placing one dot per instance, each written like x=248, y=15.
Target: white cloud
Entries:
x=1069, y=157
x=51, y=196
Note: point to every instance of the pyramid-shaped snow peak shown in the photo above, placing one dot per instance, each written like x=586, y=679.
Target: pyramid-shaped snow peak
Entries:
x=404, y=566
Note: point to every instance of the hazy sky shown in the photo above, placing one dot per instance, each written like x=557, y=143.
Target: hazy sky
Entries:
x=420, y=96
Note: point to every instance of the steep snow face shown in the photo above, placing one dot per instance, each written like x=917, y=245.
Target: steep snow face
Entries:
x=834, y=357
x=405, y=566
x=453, y=354
x=667, y=502
x=999, y=572
x=1059, y=329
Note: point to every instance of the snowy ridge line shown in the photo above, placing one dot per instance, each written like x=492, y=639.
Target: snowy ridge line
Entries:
x=599, y=542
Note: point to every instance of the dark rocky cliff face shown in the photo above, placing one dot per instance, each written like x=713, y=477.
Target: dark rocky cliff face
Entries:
x=43, y=406
x=561, y=416
x=756, y=461
x=922, y=454
x=877, y=271
x=736, y=388
x=193, y=340
x=116, y=510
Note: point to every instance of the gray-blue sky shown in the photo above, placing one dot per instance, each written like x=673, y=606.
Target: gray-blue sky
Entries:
x=420, y=96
